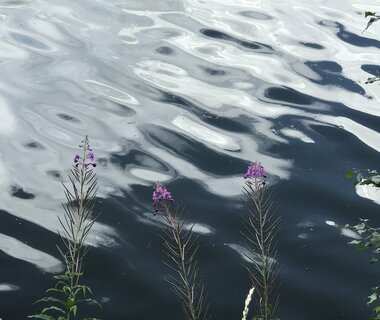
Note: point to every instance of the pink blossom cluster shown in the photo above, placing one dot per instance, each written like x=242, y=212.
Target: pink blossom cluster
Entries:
x=89, y=158
x=160, y=193
x=255, y=170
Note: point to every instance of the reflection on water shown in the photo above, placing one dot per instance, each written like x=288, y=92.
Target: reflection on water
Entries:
x=187, y=92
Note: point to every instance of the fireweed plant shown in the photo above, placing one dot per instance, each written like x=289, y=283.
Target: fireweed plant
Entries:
x=260, y=233
x=180, y=246
x=63, y=300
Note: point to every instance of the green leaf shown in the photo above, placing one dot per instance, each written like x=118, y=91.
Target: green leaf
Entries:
x=90, y=301
x=62, y=277
x=372, y=20
x=82, y=288
x=53, y=308
x=51, y=299
x=67, y=290
x=77, y=274
x=41, y=316
x=74, y=310
x=55, y=290
x=372, y=79
x=70, y=302
x=369, y=14
x=372, y=298
x=350, y=174
x=62, y=284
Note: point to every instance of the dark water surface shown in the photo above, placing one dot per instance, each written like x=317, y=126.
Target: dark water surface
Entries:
x=188, y=93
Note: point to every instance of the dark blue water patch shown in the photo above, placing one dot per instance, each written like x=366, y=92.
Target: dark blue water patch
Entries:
x=127, y=288
x=352, y=152
x=331, y=74
x=361, y=117
x=352, y=38
x=325, y=66
x=312, y=45
x=372, y=69
x=12, y=3
x=320, y=169
x=34, y=145
x=165, y=50
x=147, y=91
x=68, y=117
x=20, y=303
x=138, y=158
x=322, y=256
x=102, y=162
x=221, y=213
x=325, y=107
x=252, y=45
x=29, y=41
x=25, y=231
x=367, y=120
x=238, y=124
x=334, y=108
x=355, y=39
x=20, y=193
x=186, y=104
x=233, y=125
x=213, y=71
x=133, y=270
x=255, y=15
x=124, y=109
x=193, y=151
x=286, y=95
x=289, y=95
x=341, y=152
x=54, y=174
x=31, y=280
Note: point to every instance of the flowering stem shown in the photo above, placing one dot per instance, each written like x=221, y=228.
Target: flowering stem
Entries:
x=183, y=268
x=180, y=247
x=261, y=228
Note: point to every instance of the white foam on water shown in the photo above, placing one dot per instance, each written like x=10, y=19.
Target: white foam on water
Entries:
x=19, y=250
x=149, y=175
x=350, y=234
x=7, y=118
x=292, y=133
x=247, y=255
x=330, y=223
x=202, y=133
x=370, y=137
x=8, y=287
x=369, y=192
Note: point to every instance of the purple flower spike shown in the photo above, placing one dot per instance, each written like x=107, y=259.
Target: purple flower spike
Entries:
x=91, y=156
x=160, y=193
x=255, y=170
x=85, y=161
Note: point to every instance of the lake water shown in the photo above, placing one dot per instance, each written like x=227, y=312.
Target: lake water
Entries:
x=188, y=92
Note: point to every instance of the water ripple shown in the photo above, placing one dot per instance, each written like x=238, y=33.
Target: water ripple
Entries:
x=186, y=92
